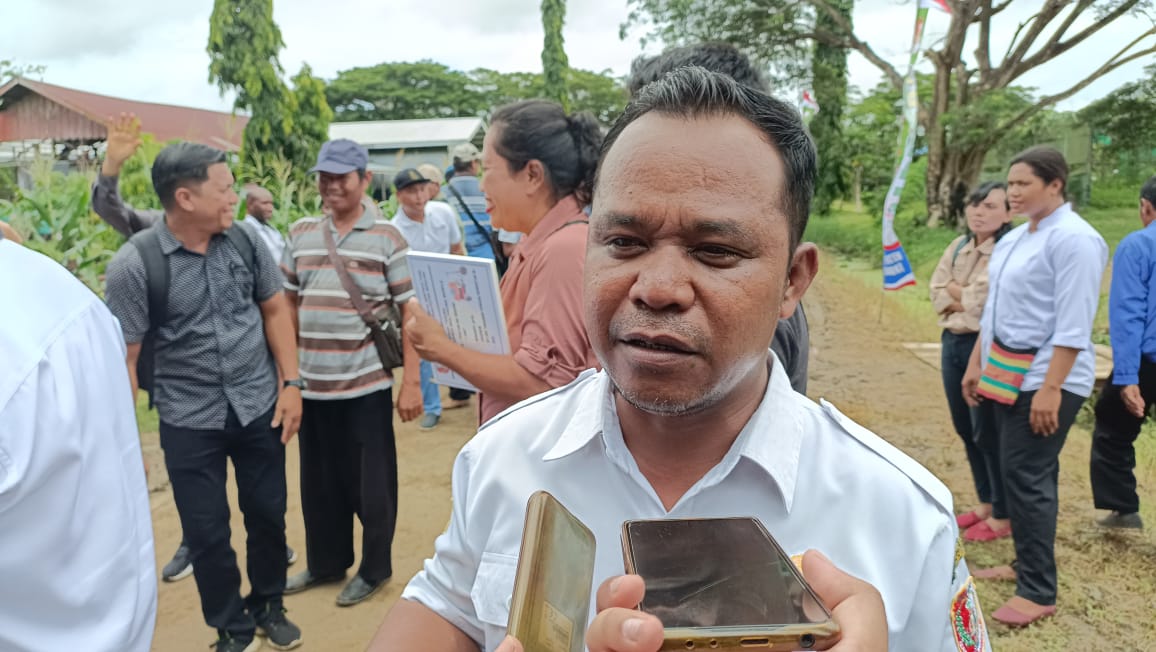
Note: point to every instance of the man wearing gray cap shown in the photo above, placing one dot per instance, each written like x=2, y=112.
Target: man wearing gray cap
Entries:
x=339, y=267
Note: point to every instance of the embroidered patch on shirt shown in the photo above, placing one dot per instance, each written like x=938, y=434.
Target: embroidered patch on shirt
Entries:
x=967, y=623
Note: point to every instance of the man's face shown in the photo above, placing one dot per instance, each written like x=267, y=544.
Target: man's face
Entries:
x=413, y=199
x=214, y=202
x=342, y=193
x=260, y=204
x=688, y=265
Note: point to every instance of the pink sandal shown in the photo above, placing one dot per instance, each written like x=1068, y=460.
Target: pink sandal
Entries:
x=964, y=521
x=982, y=532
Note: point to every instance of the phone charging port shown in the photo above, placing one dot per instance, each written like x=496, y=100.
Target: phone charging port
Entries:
x=755, y=642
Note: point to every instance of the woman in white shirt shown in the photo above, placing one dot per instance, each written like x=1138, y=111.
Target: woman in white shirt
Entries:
x=1035, y=364
x=958, y=292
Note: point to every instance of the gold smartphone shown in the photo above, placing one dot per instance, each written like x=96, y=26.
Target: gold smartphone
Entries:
x=724, y=583
x=551, y=600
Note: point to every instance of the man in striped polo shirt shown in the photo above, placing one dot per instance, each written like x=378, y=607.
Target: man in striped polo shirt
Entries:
x=348, y=455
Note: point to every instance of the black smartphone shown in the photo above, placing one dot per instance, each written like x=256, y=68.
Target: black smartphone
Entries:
x=724, y=583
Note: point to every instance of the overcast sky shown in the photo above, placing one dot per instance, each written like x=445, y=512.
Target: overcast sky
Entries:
x=154, y=50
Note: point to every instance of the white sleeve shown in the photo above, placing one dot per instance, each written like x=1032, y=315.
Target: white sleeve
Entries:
x=946, y=614
x=443, y=585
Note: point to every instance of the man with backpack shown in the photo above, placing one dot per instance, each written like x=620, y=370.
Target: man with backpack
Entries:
x=124, y=138
x=199, y=302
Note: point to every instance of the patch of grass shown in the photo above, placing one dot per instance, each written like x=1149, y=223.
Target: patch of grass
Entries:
x=147, y=420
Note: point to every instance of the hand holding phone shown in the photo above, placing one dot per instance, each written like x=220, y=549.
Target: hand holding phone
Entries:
x=724, y=584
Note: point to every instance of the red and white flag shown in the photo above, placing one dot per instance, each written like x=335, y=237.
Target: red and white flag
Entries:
x=936, y=4
x=808, y=101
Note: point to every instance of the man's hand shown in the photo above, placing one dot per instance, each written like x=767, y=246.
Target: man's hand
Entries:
x=123, y=141
x=428, y=336
x=287, y=414
x=971, y=385
x=1045, y=415
x=619, y=626
x=1133, y=400
x=409, y=400
x=855, y=605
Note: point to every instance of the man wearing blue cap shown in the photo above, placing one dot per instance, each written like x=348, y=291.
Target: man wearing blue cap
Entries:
x=339, y=267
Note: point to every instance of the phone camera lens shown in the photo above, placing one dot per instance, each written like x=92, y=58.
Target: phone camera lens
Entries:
x=713, y=643
x=690, y=645
x=807, y=641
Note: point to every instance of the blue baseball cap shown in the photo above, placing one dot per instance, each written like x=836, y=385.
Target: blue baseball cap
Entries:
x=341, y=156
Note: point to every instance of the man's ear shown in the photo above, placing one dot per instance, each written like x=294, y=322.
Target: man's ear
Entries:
x=183, y=198
x=804, y=267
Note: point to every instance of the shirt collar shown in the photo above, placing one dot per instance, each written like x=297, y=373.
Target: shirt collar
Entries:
x=169, y=242
x=1054, y=218
x=368, y=217
x=772, y=438
x=566, y=210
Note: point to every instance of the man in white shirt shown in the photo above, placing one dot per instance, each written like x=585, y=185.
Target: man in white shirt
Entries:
x=258, y=212
x=701, y=202
x=432, y=227
x=76, y=542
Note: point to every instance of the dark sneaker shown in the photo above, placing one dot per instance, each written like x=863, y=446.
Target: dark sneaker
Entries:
x=292, y=556
x=227, y=643
x=306, y=580
x=1119, y=521
x=430, y=421
x=274, y=626
x=357, y=590
x=179, y=567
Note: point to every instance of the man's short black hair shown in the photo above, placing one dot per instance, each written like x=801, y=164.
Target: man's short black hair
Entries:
x=462, y=166
x=182, y=165
x=694, y=92
x=722, y=58
x=1148, y=191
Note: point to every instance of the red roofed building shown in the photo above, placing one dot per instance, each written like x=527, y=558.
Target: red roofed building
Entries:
x=35, y=111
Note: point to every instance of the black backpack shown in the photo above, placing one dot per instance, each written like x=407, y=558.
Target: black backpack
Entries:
x=156, y=265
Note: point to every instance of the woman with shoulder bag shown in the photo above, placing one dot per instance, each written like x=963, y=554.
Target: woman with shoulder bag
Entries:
x=958, y=292
x=1035, y=364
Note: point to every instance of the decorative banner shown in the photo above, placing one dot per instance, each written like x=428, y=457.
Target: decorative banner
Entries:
x=896, y=267
x=936, y=4
x=808, y=107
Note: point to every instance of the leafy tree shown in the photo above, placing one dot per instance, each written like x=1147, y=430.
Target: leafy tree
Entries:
x=284, y=123
x=779, y=30
x=403, y=90
x=1124, y=123
x=311, y=128
x=9, y=69
x=555, y=64
x=829, y=81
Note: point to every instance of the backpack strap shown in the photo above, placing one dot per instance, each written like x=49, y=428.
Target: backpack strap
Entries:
x=243, y=242
x=244, y=245
x=156, y=266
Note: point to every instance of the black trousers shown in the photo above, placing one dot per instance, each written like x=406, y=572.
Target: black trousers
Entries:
x=196, y=461
x=1113, y=445
x=349, y=466
x=1031, y=471
x=458, y=394
x=968, y=422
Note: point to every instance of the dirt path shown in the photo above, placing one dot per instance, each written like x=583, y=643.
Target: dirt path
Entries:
x=1107, y=583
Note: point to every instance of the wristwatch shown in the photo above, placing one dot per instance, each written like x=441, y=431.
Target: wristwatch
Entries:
x=296, y=382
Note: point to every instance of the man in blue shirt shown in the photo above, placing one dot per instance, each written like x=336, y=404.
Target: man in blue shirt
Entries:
x=1124, y=404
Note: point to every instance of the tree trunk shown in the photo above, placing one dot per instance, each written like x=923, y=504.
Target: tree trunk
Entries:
x=949, y=183
x=857, y=188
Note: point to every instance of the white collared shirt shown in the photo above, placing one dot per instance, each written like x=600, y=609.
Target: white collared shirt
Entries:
x=814, y=479
x=77, y=570
x=440, y=230
x=1044, y=292
x=274, y=241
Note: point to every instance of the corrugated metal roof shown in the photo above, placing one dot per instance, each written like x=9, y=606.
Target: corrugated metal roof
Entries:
x=86, y=114
x=400, y=134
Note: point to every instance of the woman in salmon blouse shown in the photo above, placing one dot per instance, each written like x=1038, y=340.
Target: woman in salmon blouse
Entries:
x=538, y=168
